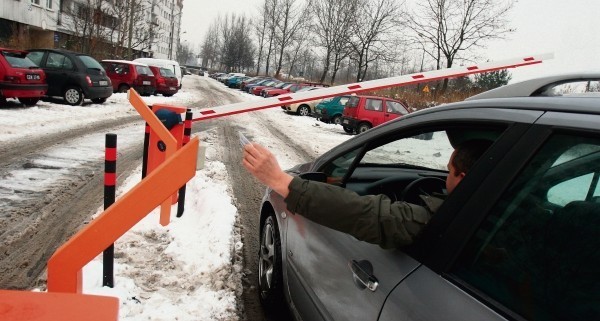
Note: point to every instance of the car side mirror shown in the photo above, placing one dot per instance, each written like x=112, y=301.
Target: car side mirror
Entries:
x=314, y=176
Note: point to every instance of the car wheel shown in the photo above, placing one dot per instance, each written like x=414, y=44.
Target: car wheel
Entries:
x=337, y=120
x=348, y=130
x=123, y=88
x=270, y=275
x=73, y=96
x=2, y=101
x=363, y=127
x=303, y=110
x=167, y=95
x=99, y=100
x=29, y=101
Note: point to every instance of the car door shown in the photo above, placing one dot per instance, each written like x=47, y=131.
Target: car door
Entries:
x=372, y=111
x=60, y=71
x=525, y=245
x=393, y=110
x=325, y=266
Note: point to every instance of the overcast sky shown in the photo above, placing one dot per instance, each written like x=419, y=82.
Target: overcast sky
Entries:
x=569, y=29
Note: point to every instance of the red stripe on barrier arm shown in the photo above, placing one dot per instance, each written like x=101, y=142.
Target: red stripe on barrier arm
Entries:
x=110, y=179
x=284, y=98
x=528, y=59
x=354, y=87
x=418, y=76
x=207, y=112
x=110, y=154
x=472, y=68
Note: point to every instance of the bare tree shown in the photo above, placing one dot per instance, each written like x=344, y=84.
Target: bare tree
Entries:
x=210, y=45
x=333, y=19
x=260, y=28
x=445, y=28
x=292, y=18
x=376, y=19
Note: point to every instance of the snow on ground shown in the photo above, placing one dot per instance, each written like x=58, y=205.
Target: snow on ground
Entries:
x=190, y=269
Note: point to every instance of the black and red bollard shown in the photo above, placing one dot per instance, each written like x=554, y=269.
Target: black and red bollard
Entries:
x=187, y=133
x=110, y=183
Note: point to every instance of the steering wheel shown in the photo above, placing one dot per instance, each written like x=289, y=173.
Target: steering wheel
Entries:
x=422, y=186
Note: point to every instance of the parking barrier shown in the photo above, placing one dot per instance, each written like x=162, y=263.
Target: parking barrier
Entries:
x=110, y=183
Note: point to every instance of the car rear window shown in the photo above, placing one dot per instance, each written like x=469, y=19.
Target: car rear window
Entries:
x=18, y=59
x=90, y=62
x=143, y=70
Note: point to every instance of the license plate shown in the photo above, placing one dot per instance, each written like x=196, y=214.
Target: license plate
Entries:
x=32, y=77
x=345, y=121
x=146, y=83
x=103, y=83
x=171, y=88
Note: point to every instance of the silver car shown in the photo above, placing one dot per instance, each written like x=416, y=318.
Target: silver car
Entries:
x=518, y=239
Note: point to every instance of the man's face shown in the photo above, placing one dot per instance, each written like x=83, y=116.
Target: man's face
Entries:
x=454, y=177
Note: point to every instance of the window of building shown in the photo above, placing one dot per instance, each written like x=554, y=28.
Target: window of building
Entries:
x=37, y=2
x=49, y=4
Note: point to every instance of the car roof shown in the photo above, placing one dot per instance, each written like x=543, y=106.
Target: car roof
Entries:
x=14, y=50
x=125, y=62
x=566, y=104
x=64, y=51
x=535, y=87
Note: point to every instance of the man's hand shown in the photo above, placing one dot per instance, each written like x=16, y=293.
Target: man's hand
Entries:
x=264, y=166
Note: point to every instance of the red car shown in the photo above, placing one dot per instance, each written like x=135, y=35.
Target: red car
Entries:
x=129, y=74
x=257, y=89
x=166, y=81
x=362, y=113
x=289, y=88
x=20, y=78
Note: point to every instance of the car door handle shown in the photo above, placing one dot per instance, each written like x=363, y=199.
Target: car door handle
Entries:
x=362, y=274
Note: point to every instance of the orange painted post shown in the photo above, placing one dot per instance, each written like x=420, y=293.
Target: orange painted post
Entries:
x=43, y=306
x=64, y=267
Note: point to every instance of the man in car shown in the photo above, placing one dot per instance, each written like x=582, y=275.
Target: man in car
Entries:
x=371, y=218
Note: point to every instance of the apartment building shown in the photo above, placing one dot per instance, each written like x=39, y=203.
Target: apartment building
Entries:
x=106, y=28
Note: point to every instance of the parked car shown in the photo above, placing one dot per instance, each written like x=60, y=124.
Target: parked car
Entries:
x=164, y=63
x=256, y=90
x=20, y=78
x=251, y=81
x=362, y=113
x=289, y=88
x=304, y=108
x=130, y=74
x=236, y=82
x=248, y=88
x=517, y=239
x=330, y=110
x=166, y=81
x=73, y=76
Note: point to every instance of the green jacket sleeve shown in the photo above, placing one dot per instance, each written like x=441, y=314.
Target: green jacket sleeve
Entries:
x=370, y=218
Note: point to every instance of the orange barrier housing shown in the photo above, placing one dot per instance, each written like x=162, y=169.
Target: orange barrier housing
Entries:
x=178, y=167
x=40, y=306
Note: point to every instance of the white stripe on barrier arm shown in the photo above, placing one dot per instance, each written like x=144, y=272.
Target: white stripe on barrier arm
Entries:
x=404, y=80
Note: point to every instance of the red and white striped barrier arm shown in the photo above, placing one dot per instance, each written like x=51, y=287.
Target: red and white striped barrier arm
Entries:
x=404, y=80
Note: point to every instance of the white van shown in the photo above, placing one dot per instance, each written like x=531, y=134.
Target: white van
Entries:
x=164, y=63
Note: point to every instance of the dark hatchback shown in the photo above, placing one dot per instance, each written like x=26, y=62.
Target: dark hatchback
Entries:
x=518, y=239
x=73, y=76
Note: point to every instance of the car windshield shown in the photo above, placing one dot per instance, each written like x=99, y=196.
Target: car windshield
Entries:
x=288, y=86
x=18, y=59
x=90, y=62
x=281, y=85
x=306, y=89
x=167, y=72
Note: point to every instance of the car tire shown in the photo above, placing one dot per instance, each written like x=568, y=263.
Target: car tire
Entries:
x=303, y=110
x=2, y=101
x=270, y=273
x=99, y=100
x=167, y=95
x=363, y=127
x=348, y=130
x=29, y=101
x=123, y=88
x=336, y=120
x=73, y=96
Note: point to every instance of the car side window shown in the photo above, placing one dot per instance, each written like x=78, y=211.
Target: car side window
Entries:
x=36, y=57
x=344, y=100
x=395, y=107
x=538, y=251
x=374, y=104
x=58, y=61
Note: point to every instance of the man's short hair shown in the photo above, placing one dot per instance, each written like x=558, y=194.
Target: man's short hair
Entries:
x=468, y=152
